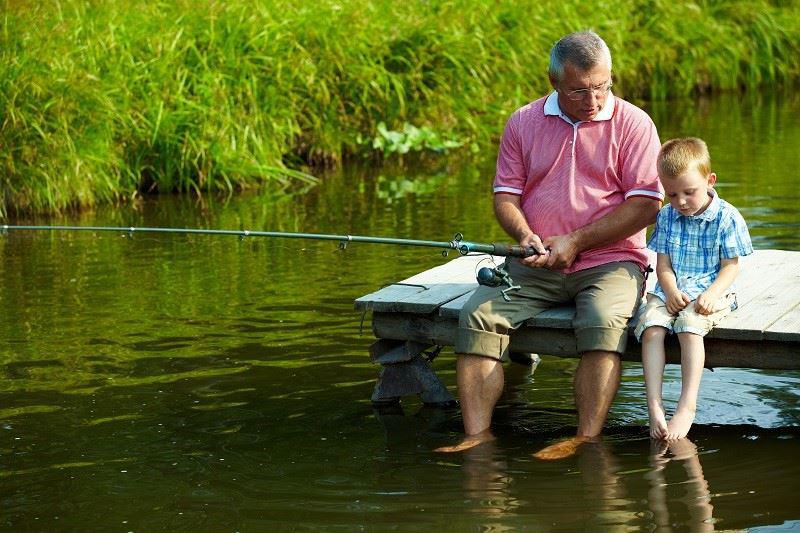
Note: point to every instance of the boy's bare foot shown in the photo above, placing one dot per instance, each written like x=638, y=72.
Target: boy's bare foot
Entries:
x=680, y=423
x=561, y=450
x=658, y=423
x=470, y=441
x=682, y=449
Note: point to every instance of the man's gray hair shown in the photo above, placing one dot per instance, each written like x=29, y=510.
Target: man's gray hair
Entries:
x=584, y=49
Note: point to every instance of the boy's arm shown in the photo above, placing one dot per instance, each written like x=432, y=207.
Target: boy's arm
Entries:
x=676, y=300
x=727, y=273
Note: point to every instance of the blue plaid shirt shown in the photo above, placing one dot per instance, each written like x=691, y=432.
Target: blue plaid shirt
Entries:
x=697, y=244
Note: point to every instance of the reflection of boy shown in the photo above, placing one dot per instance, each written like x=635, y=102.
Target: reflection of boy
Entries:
x=698, y=238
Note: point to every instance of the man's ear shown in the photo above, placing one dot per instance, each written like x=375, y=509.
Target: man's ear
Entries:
x=553, y=81
x=712, y=179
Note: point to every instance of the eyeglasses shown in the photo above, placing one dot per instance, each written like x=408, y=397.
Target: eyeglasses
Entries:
x=598, y=92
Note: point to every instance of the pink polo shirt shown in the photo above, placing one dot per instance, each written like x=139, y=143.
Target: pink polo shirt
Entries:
x=570, y=175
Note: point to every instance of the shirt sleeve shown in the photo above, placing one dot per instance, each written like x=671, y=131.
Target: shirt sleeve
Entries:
x=735, y=239
x=510, y=171
x=638, y=165
x=658, y=240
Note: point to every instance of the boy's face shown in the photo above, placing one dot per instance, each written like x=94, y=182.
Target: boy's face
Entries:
x=688, y=192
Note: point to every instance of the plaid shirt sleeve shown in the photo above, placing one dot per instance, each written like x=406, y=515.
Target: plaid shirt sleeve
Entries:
x=735, y=239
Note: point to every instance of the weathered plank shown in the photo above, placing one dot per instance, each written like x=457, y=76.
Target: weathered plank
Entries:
x=452, y=308
x=765, y=294
x=763, y=333
x=767, y=289
x=426, y=291
x=787, y=328
x=433, y=329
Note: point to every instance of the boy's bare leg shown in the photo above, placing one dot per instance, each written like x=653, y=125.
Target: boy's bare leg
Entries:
x=480, y=383
x=693, y=357
x=596, y=384
x=653, y=365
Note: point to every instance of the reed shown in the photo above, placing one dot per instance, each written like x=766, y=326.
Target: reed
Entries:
x=103, y=101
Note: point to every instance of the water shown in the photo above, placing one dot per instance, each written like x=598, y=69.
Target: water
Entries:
x=208, y=383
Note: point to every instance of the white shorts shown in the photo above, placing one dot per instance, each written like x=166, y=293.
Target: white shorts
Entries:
x=688, y=320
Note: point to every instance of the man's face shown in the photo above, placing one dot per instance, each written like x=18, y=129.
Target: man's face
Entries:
x=592, y=86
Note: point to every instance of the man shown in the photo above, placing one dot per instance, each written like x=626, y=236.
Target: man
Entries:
x=576, y=179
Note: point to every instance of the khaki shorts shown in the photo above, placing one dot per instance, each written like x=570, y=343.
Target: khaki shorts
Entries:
x=686, y=321
x=605, y=298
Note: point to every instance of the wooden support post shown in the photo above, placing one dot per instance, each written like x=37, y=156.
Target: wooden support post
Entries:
x=406, y=371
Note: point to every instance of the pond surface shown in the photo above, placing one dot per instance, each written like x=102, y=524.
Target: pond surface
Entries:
x=208, y=383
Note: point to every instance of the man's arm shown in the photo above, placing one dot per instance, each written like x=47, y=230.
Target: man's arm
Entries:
x=508, y=210
x=629, y=217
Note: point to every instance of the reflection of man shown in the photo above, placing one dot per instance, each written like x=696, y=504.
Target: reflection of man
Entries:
x=576, y=179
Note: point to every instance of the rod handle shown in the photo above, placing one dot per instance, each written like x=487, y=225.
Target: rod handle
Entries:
x=514, y=250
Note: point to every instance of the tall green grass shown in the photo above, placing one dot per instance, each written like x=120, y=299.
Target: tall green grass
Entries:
x=101, y=101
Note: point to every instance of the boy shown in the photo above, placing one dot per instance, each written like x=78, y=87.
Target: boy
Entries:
x=698, y=238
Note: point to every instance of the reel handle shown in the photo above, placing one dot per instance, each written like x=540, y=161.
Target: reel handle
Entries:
x=490, y=277
x=497, y=277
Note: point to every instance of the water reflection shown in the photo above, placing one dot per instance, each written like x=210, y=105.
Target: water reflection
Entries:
x=693, y=508
x=487, y=482
x=602, y=494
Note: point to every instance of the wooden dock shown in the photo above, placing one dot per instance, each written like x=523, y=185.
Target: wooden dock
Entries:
x=415, y=316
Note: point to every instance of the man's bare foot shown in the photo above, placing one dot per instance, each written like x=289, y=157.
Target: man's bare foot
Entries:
x=561, y=450
x=470, y=441
x=658, y=423
x=680, y=423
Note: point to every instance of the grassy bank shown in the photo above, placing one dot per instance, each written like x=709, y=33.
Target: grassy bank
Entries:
x=100, y=101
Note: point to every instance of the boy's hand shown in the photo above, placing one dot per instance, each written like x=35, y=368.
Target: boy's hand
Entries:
x=677, y=301
x=706, y=302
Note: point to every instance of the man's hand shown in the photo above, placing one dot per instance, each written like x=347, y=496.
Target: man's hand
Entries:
x=706, y=302
x=676, y=301
x=535, y=260
x=563, y=249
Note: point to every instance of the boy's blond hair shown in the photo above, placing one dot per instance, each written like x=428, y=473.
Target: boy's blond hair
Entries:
x=682, y=155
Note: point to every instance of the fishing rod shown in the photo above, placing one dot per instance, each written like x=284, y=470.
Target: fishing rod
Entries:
x=492, y=277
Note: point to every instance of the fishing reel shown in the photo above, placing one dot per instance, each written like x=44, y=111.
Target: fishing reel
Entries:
x=497, y=277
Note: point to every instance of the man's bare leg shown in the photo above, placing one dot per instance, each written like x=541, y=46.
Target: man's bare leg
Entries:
x=480, y=383
x=596, y=383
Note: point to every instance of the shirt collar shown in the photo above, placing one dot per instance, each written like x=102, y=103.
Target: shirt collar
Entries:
x=709, y=214
x=551, y=107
